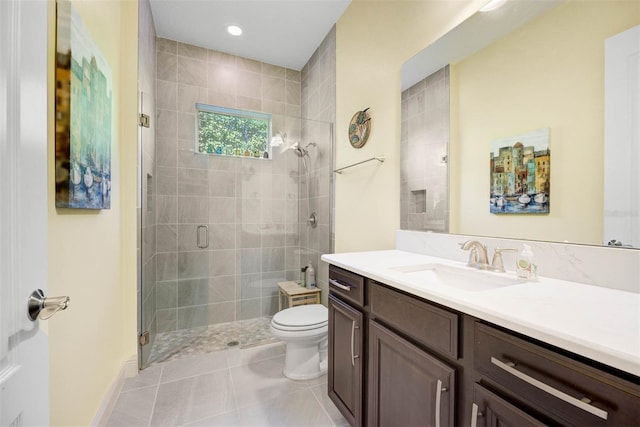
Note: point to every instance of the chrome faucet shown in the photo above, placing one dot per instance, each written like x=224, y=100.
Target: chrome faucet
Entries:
x=477, y=255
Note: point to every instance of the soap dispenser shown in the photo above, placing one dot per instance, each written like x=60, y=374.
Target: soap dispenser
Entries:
x=303, y=277
x=526, y=267
x=310, y=277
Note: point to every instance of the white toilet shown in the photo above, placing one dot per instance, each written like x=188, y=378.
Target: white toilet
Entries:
x=304, y=329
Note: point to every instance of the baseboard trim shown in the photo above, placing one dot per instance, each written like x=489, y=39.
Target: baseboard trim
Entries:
x=128, y=369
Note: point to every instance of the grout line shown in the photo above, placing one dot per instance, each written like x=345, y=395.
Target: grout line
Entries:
x=136, y=389
x=193, y=376
x=233, y=387
x=321, y=406
x=155, y=398
x=199, y=374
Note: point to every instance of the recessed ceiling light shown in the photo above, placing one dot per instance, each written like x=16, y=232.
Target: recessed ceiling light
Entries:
x=492, y=5
x=234, y=30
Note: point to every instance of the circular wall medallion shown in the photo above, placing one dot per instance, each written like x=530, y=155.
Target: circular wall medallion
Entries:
x=359, y=129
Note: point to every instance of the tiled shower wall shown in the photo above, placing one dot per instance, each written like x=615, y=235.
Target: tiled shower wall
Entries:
x=250, y=206
x=146, y=169
x=424, y=179
x=319, y=103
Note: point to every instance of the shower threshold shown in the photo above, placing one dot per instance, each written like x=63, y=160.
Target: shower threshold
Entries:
x=173, y=345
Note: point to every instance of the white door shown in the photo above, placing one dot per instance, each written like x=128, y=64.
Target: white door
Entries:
x=622, y=138
x=24, y=373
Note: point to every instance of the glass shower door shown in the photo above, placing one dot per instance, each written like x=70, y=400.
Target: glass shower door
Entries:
x=183, y=252
x=175, y=241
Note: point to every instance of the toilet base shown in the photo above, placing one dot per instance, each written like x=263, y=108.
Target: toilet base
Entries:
x=305, y=362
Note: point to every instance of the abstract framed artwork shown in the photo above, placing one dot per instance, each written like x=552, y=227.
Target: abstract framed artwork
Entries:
x=83, y=108
x=520, y=169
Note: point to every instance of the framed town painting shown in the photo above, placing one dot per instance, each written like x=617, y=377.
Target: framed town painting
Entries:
x=520, y=168
x=83, y=116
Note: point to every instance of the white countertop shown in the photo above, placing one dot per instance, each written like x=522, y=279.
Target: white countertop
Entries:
x=599, y=323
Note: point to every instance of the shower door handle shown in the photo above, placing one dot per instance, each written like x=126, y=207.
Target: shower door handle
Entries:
x=201, y=242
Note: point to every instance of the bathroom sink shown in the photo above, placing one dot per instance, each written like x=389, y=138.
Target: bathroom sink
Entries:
x=466, y=279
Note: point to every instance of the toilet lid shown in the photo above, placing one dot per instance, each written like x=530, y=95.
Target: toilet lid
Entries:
x=309, y=316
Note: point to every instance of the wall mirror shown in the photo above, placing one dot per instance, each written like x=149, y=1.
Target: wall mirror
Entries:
x=528, y=65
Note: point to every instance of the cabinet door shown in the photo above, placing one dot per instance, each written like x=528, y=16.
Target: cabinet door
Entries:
x=489, y=410
x=407, y=386
x=345, y=360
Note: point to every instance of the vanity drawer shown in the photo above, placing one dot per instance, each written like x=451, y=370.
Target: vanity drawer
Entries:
x=489, y=410
x=349, y=286
x=562, y=388
x=434, y=327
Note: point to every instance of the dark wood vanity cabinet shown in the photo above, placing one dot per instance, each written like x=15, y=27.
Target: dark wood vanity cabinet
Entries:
x=428, y=365
x=346, y=344
x=345, y=377
x=490, y=410
x=556, y=388
x=406, y=385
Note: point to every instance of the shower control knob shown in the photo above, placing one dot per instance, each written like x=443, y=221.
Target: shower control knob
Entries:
x=313, y=220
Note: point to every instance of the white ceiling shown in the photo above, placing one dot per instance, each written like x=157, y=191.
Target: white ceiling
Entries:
x=278, y=32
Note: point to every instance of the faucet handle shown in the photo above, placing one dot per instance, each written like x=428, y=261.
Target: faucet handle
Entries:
x=497, y=263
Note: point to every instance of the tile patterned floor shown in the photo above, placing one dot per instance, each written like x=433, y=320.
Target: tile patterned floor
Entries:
x=169, y=346
x=233, y=387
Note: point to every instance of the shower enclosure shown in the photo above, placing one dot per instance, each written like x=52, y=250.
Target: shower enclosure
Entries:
x=219, y=233
x=216, y=233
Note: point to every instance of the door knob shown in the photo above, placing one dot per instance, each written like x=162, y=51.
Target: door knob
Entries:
x=39, y=306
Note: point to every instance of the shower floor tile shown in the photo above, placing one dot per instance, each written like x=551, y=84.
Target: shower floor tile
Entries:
x=174, y=345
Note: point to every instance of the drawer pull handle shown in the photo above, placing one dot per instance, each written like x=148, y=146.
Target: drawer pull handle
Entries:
x=578, y=403
x=439, y=391
x=339, y=285
x=474, y=415
x=353, y=337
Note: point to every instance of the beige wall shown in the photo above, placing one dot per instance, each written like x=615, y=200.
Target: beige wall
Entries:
x=374, y=38
x=549, y=73
x=92, y=254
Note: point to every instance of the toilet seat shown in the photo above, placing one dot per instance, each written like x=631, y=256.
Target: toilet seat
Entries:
x=301, y=318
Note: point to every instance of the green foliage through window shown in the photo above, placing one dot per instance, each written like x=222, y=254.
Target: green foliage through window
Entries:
x=228, y=132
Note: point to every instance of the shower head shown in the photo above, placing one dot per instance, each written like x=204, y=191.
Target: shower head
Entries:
x=300, y=151
x=297, y=150
x=279, y=139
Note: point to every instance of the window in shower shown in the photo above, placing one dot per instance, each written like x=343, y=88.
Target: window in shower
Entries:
x=228, y=132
